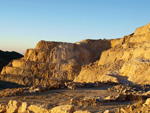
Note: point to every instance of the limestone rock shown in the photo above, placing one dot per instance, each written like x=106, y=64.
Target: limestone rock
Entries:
x=95, y=74
x=106, y=111
x=73, y=86
x=137, y=71
x=37, y=109
x=24, y=107
x=123, y=110
x=63, y=109
x=109, y=98
x=141, y=34
x=13, y=106
x=2, y=108
x=80, y=111
x=147, y=102
x=56, y=61
x=128, y=59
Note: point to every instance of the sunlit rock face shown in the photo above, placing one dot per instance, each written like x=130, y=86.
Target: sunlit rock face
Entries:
x=127, y=60
x=57, y=61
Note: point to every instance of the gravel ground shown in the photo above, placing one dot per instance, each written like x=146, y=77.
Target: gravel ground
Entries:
x=52, y=98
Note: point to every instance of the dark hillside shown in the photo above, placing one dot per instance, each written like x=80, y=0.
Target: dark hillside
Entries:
x=6, y=57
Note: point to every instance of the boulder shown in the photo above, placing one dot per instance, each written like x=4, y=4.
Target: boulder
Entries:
x=63, y=109
x=37, y=109
x=2, y=108
x=109, y=98
x=13, y=106
x=147, y=102
x=80, y=111
x=24, y=107
x=106, y=111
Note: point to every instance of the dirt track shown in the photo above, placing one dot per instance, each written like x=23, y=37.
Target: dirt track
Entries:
x=52, y=98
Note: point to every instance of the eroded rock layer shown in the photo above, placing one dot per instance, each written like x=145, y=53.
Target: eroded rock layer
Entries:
x=126, y=62
x=56, y=61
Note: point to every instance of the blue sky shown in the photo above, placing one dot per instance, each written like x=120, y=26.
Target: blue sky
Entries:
x=25, y=22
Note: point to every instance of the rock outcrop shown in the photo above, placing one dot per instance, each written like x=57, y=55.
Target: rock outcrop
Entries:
x=53, y=61
x=127, y=61
x=6, y=57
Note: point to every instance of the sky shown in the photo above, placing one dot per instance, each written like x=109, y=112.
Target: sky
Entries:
x=23, y=23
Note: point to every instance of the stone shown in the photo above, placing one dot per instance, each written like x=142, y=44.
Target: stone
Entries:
x=147, y=93
x=13, y=106
x=89, y=98
x=2, y=108
x=123, y=110
x=137, y=71
x=37, y=109
x=99, y=99
x=147, y=102
x=120, y=97
x=109, y=98
x=106, y=111
x=94, y=75
x=80, y=111
x=63, y=109
x=72, y=100
x=24, y=107
x=73, y=86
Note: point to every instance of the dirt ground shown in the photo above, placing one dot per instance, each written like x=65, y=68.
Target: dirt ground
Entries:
x=52, y=98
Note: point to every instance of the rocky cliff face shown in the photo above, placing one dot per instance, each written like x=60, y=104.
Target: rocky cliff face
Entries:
x=126, y=62
x=56, y=61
